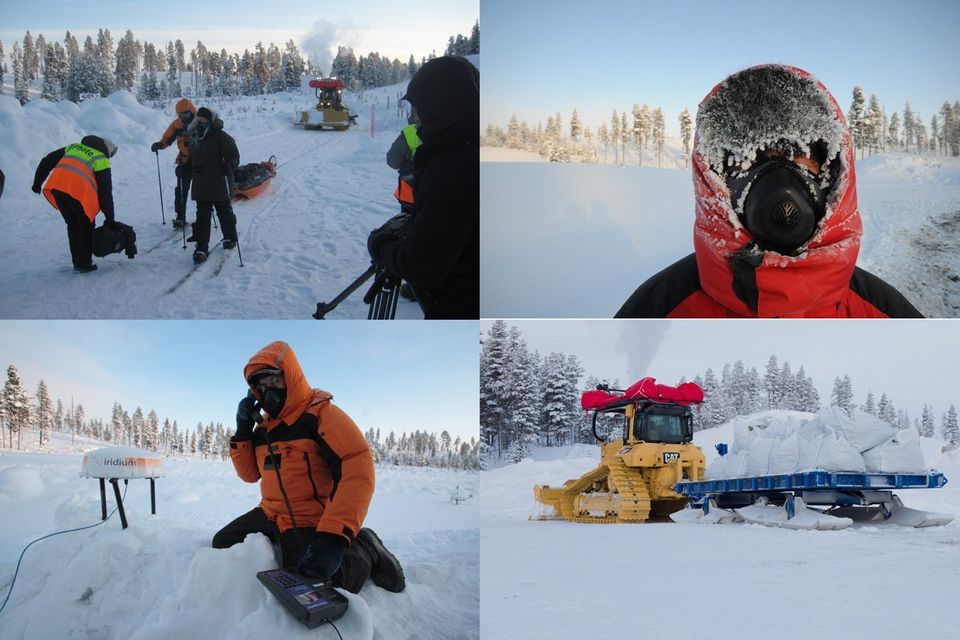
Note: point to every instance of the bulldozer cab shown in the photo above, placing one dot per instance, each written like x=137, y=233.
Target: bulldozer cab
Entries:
x=670, y=424
x=651, y=422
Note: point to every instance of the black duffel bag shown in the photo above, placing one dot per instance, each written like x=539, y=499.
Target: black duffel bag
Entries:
x=114, y=238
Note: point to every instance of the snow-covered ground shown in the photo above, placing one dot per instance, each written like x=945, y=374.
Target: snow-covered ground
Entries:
x=302, y=241
x=575, y=240
x=161, y=579
x=744, y=581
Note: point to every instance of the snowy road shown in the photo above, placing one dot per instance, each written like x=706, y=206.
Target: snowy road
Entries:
x=302, y=241
x=543, y=580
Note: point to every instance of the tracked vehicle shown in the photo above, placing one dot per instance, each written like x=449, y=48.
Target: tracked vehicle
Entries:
x=330, y=111
x=635, y=479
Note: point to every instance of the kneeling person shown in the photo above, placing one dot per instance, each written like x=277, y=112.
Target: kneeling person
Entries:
x=316, y=478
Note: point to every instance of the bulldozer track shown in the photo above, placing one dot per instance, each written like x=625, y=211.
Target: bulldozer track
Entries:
x=634, y=497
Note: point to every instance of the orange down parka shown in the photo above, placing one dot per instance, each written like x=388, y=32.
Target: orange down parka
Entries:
x=324, y=460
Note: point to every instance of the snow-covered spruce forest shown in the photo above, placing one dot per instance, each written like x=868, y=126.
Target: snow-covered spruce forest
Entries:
x=527, y=399
x=68, y=72
x=642, y=138
x=35, y=417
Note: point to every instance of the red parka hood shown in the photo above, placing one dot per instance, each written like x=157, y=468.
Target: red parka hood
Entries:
x=279, y=355
x=815, y=282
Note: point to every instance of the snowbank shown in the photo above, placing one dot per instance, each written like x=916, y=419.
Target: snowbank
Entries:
x=160, y=578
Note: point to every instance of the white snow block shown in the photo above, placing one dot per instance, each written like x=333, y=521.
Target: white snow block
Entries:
x=823, y=448
x=900, y=453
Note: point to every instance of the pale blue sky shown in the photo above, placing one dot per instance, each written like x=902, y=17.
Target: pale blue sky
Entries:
x=545, y=56
x=400, y=375
x=395, y=29
x=913, y=361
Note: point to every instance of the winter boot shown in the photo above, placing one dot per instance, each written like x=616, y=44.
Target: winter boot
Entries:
x=86, y=269
x=199, y=256
x=193, y=231
x=228, y=243
x=179, y=223
x=386, y=571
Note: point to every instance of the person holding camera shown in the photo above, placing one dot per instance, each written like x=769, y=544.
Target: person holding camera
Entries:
x=437, y=248
x=777, y=228
x=316, y=478
x=76, y=180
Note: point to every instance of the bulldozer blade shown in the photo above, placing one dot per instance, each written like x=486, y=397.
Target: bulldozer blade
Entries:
x=802, y=517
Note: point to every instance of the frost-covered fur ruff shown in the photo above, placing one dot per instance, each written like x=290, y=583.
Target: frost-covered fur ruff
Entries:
x=767, y=107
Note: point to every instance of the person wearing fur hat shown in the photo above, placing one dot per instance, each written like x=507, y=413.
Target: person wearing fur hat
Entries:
x=777, y=227
x=76, y=180
x=177, y=130
x=214, y=157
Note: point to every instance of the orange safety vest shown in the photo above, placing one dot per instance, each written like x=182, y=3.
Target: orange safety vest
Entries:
x=404, y=192
x=75, y=176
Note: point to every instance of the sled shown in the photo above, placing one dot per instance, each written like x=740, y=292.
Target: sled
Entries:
x=250, y=180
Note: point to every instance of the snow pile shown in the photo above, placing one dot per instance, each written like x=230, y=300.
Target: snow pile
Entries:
x=160, y=578
x=765, y=444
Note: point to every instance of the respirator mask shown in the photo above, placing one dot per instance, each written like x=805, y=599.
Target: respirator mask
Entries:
x=779, y=203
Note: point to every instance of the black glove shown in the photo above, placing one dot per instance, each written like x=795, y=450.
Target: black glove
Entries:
x=323, y=556
x=247, y=414
x=394, y=229
x=113, y=224
x=156, y=146
x=36, y=188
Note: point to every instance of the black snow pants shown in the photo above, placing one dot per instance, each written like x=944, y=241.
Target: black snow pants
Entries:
x=228, y=222
x=353, y=572
x=79, y=229
x=184, y=176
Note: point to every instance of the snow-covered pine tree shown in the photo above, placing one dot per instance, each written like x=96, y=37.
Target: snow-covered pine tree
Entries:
x=125, y=71
x=659, y=134
x=603, y=135
x=936, y=135
x=855, y=117
x=771, y=383
x=58, y=417
x=554, y=426
x=15, y=403
x=31, y=60
x=493, y=378
x=107, y=61
x=513, y=134
x=949, y=428
x=152, y=432
x=624, y=136
x=686, y=130
x=71, y=48
x=44, y=411
x=927, y=423
x=576, y=127
x=920, y=133
x=884, y=411
x=138, y=422
x=615, y=134
x=712, y=401
x=83, y=76
x=908, y=125
x=788, y=383
x=893, y=131
x=870, y=405
x=21, y=84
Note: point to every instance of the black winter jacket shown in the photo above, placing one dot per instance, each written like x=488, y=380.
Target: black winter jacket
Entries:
x=440, y=255
x=214, y=159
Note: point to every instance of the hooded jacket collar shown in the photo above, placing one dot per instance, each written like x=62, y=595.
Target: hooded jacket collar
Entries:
x=816, y=282
x=300, y=396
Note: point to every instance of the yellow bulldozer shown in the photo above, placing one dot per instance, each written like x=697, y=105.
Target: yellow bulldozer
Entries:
x=330, y=111
x=635, y=479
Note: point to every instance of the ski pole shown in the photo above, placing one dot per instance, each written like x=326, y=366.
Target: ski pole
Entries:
x=324, y=308
x=160, y=184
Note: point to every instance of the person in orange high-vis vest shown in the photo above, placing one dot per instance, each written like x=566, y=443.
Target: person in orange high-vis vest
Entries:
x=316, y=478
x=177, y=130
x=400, y=157
x=76, y=180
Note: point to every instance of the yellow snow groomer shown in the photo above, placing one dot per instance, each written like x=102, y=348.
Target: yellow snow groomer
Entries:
x=636, y=475
x=330, y=111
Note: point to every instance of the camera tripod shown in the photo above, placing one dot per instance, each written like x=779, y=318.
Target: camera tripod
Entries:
x=382, y=297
